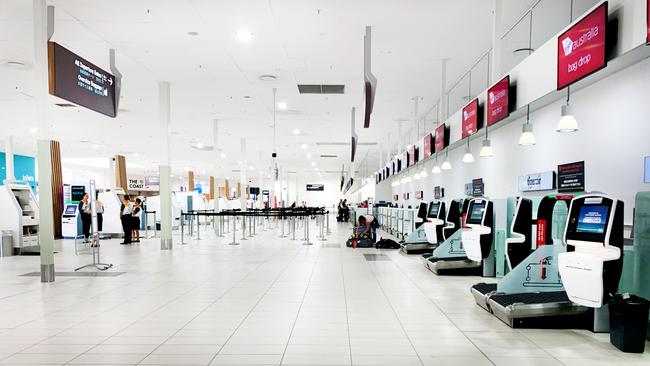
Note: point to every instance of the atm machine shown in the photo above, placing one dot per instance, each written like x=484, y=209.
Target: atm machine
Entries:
x=71, y=222
x=19, y=209
x=593, y=270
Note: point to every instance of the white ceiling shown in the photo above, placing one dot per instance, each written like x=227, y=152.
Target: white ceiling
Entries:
x=299, y=41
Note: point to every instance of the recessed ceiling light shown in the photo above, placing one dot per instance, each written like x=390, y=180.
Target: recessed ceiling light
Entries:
x=296, y=131
x=238, y=162
x=171, y=176
x=308, y=156
x=187, y=168
x=313, y=163
x=283, y=106
x=135, y=155
x=227, y=178
x=267, y=77
x=33, y=130
x=304, y=146
x=200, y=145
x=202, y=171
x=222, y=155
x=244, y=36
x=192, y=33
x=251, y=168
x=95, y=146
x=316, y=168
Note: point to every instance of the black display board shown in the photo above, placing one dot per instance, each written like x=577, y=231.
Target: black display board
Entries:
x=571, y=177
x=315, y=187
x=478, y=188
x=77, y=193
x=438, y=192
x=79, y=81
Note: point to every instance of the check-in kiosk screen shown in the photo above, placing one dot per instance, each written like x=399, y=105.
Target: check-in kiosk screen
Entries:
x=70, y=209
x=476, y=212
x=592, y=219
x=434, y=207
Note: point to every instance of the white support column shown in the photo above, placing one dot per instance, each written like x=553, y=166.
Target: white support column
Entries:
x=9, y=159
x=495, y=56
x=215, y=167
x=442, y=108
x=46, y=216
x=243, y=181
x=166, y=213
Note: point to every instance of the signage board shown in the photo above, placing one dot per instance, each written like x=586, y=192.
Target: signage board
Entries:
x=405, y=195
x=313, y=187
x=544, y=181
x=419, y=195
x=470, y=118
x=24, y=169
x=498, y=106
x=571, y=177
x=468, y=189
x=266, y=192
x=77, y=193
x=426, y=146
x=438, y=192
x=478, y=188
x=581, y=48
x=411, y=155
x=396, y=197
x=146, y=183
x=441, y=138
x=79, y=81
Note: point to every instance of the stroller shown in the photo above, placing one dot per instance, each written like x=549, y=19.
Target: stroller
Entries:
x=360, y=239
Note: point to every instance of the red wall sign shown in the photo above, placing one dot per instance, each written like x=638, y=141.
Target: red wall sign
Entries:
x=411, y=155
x=497, y=101
x=470, y=118
x=581, y=48
x=541, y=232
x=441, y=138
x=426, y=146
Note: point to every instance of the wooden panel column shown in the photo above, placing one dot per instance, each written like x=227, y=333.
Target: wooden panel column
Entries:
x=212, y=192
x=120, y=173
x=227, y=186
x=190, y=181
x=238, y=190
x=57, y=187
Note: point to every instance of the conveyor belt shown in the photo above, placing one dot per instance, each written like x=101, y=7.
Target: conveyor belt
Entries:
x=485, y=288
x=448, y=259
x=530, y=298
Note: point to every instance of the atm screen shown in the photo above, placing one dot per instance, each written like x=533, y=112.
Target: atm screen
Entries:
x=70, y=209
x=592, y=219
x=433, y=209
x=476, y=212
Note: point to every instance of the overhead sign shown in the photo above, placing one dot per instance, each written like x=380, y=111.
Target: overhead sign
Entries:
x=411, y=155
x=498, y=106
x=438, y=192
x=405, y=195
x=315, y=187
x=544, y=181
x=426, y=146
x=470, y=118
x=147, y=183
x=478, y=188
x=441, y=138
x=571, y=177
x=266, y=192
x=581, y=48
x=468, y=189
x=79, y=81
x=152, y=181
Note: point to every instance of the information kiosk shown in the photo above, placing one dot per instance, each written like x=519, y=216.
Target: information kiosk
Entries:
x=592, y=272
x=478, y=236
x=19, y=209
x=71, y=222
x=416, y=242
x=435, y=223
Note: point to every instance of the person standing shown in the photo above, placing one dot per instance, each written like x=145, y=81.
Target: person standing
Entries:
x=136, y=214
x=99, y=208
x=86, y=218
x=126, y=218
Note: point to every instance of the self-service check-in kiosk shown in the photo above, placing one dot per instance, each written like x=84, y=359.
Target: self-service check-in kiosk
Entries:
x=478, y=235
x=593, y=270
x=416, y=242
x=71, y=222
x=435, y=222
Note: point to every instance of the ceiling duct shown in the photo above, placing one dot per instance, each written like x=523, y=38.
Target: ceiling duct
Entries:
x=321, y=88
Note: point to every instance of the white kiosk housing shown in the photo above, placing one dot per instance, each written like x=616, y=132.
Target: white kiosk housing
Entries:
x=435, y=222
x=20, y=215
x=478, y=235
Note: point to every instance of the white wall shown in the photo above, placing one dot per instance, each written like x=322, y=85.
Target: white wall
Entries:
x=330, y=196
x=614, y=138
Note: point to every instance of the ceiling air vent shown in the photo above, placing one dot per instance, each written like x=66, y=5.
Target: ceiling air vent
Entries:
x=321, y=89
x=66, y=105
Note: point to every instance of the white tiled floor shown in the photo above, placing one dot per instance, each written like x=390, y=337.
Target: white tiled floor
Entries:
x=268, y=301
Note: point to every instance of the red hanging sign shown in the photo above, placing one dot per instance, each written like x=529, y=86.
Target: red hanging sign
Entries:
x=426, y=146
x=541, y=232
x=470, y=118
x=498, y=106
x=440, y=138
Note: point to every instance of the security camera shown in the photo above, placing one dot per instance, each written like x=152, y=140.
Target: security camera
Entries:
x=274, y=155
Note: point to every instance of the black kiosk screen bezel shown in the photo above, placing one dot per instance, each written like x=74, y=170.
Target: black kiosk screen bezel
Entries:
x=572, y=232
x=470, y=210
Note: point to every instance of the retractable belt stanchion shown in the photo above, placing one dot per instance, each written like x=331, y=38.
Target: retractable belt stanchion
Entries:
x=234, y=233
x=322, y=228
x=243, y=228
x=221, y=226
x=328, y=224
x=198, y=227
x=293, y=229
x=307, y=232
x=250, y=226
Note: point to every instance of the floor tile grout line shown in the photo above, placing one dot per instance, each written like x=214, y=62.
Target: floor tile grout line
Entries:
x=372, y=269
x=311, y=275
x=345, y=300
x=258, y=301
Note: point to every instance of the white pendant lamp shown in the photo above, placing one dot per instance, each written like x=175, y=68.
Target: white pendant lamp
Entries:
x=568, y=122
x=446, y=165
x=423, y=173
x=486, y=150
x=436, y=169
x=468, y=158
x=416, y=176
x=527, y=137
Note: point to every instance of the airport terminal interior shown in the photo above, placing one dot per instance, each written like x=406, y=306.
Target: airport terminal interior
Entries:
x=308, y=182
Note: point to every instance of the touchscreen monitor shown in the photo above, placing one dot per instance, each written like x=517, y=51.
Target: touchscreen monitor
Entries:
x=434, y=207
x=592, y=219
x=476, y=212
x=70, y=209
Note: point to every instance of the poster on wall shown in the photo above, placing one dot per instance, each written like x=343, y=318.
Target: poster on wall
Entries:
x=468, y=189
x=478, y=188
x=498, y=106
x=544, y=181
x=426, y=146
x=411, y=155
x=441, y=138
x=571, y=177
x=470, y=117
x=396, y=197
x=313, y=187
x=581, y=48
x=75, y=79
x=24, y=169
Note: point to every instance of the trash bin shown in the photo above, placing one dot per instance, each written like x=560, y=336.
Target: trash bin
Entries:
x=7, y=244
x=628, y=321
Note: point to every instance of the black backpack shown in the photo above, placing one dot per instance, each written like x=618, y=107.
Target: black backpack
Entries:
x=387, y=244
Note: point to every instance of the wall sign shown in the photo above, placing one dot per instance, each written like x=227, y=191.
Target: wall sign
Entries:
x=478, y=188
x=470, y=117
x=441, y=138
x=581, y=48
x=468, y=189
x=146, y=183
x=571, y=177
x=313, y=187
x=498, y=106
x=151, y=181
x=79, y=81
x=438, y=192
x=24, y=169
x=426, y=146
x=544, y=181
x=419, y=195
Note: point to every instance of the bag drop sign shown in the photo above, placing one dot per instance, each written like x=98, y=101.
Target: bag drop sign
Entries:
x=543, y=181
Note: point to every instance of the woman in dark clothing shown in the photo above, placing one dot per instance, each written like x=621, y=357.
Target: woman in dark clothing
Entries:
x=86, y=218
x=126, y=219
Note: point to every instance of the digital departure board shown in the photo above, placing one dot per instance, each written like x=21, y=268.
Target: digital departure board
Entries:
x=79, y=81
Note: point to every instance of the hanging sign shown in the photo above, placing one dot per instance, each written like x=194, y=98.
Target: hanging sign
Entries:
x=396, y=197
x=441, y=138
x=426, y=146
x=418, y=195
x=571, y=177
x=438, y=192
x=498, y=106
x=315, y=187
x=470, y=118
x=411, y=156
x=478, y=188
x=544, y=181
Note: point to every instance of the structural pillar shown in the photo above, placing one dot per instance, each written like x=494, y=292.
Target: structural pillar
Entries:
x=165, y=167
x=9, y=159
x=242, y=176
x=46, y=217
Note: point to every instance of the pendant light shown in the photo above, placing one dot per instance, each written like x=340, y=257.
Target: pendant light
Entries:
x=416, y=176
x=568, y=122
x=436, y=166
x=486, y=150
x=423, y=173
x=468, y=158
x=527, y=137
x=446, y=165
